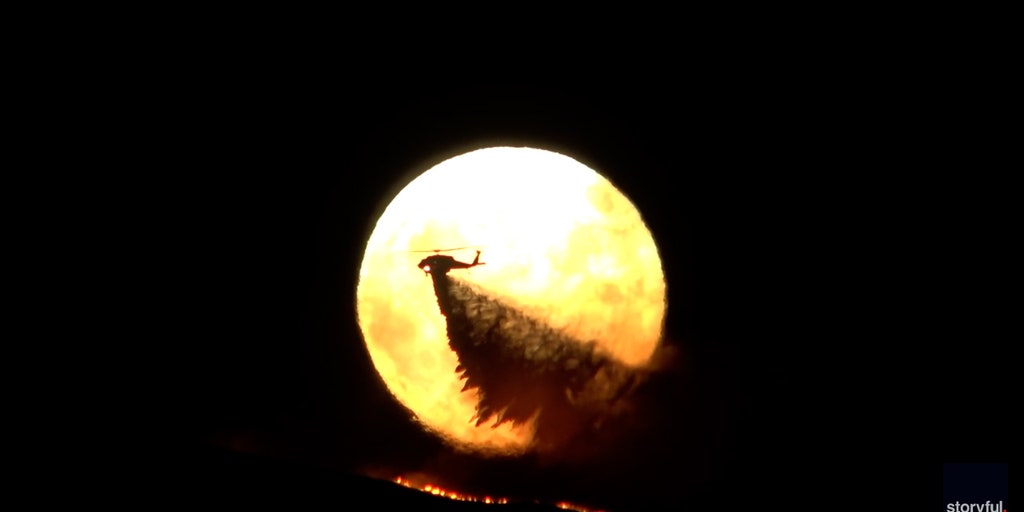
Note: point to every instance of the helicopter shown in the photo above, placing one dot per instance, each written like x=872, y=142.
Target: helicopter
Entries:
x=443, y=263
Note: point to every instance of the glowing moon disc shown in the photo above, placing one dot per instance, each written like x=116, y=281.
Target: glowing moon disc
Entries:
x=560, y=242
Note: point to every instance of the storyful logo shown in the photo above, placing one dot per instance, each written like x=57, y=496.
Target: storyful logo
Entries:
x=975, y=487
x=988, y=506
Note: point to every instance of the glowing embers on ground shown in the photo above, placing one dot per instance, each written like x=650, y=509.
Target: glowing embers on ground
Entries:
x=452, y=495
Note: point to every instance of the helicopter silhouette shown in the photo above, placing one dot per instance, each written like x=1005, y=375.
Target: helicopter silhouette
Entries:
x=521, y=368
x=442, y=263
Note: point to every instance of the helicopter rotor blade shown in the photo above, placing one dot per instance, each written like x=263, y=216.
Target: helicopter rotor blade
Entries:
x=449, y=250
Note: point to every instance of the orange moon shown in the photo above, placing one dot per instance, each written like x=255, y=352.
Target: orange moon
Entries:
x=559, y=241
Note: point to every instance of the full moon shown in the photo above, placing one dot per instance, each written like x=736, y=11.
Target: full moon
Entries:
x=558, y=241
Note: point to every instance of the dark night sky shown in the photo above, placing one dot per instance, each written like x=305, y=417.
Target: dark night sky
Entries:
x=810, y=244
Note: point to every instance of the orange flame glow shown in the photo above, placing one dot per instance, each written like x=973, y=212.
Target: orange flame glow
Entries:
x=439, y=491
